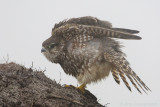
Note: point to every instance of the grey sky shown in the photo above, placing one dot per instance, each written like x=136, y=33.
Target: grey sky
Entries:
x=26, y=24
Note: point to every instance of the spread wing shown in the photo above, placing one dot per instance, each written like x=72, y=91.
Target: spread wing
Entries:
x=121, y=66
x=70, y=30
x=86, y=20
x=93, y=26
x=93, y=21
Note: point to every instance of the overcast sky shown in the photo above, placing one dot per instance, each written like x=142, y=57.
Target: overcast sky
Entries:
x=25, y=24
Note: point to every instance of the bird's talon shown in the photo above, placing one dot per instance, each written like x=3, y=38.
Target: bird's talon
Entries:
x=65, y=85
x=82, y=88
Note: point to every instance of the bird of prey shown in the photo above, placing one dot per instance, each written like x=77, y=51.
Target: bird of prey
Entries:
x=86, y=48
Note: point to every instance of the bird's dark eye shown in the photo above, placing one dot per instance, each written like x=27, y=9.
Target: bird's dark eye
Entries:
x=52, y=45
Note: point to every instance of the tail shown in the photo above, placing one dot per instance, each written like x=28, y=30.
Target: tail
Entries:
x=122, y=66
x=115, y=74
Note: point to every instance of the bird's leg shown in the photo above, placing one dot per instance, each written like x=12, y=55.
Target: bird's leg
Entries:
x=82, y=87
x=68, y=86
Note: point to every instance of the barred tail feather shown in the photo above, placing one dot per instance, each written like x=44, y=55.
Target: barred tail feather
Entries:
x=122, y=65
x=134, y=84
x=140, y=81
x=131, y=73
x=124, y=80
x=139, y=84
x=115, y=75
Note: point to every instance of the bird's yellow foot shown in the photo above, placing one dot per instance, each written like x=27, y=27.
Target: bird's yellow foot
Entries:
x=68, y=86
x=81, y=87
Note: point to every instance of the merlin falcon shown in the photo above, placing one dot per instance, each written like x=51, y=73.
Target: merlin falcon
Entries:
x=86, y=48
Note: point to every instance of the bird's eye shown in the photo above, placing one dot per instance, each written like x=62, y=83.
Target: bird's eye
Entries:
x=52, y=45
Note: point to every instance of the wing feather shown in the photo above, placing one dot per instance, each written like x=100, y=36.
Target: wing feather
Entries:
x=126, y=30
x=123, y=67
x=107, y=32
x=96, y=31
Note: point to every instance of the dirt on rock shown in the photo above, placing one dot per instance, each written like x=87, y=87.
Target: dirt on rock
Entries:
x=25, y=87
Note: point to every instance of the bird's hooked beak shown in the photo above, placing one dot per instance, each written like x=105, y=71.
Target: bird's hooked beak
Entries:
x=43, y=50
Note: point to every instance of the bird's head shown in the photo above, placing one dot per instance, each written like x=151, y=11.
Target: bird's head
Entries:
x=51, y=49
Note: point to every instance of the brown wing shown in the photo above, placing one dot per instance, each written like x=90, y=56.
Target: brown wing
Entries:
x=86, y=20
x=93, y=21
x=95, y=27
x=70, y=30
x=122, y=65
